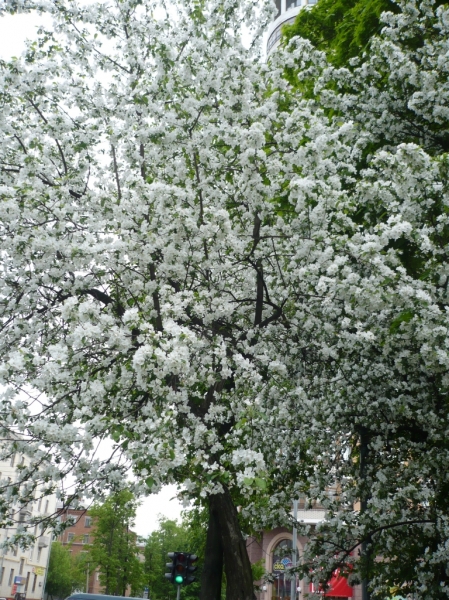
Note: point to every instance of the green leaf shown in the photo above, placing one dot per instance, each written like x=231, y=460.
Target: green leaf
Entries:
x=261, y=483
x=404, y=317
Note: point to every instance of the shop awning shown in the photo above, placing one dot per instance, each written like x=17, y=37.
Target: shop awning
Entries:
x=338, y=587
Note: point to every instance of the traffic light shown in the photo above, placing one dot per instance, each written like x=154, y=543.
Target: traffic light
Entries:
x=170, y=574
x=191, y=560
x=181, y=568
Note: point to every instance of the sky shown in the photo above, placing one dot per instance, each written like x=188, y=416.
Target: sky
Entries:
x=14, y=30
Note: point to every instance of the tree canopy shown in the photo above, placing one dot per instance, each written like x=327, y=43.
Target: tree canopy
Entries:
x=114, y=549
x=66, y=573
x=341, y=28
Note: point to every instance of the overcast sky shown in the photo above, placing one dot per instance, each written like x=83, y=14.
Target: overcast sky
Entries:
x=13, y=32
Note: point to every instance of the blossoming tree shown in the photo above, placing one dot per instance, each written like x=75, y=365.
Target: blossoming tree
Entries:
x=243, y=286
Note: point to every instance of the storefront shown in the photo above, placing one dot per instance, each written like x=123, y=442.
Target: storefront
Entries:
x=282, y=562
x=281, y=588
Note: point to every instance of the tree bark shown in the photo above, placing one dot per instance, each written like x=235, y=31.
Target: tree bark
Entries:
x=213, y=557
x=239, y=579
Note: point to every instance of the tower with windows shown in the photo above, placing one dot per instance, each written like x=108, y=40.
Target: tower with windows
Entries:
x=286, y=14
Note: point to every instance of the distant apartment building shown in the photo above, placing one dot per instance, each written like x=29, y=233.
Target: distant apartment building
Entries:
x=78, y=536
x=23, y=570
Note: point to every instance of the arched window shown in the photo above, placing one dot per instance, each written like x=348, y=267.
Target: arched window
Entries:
x=282, y=561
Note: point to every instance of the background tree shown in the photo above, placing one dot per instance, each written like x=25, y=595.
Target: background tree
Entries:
x=172, y=537
x=341, y=28
x=114, y=548
x=65, y=573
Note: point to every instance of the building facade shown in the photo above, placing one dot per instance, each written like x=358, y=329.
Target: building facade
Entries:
x=272, y=548
x=23, y=570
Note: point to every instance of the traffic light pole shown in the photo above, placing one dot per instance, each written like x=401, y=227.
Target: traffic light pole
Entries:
x=178, y=593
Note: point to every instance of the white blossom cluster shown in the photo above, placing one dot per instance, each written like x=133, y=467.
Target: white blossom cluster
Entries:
x=240, y=285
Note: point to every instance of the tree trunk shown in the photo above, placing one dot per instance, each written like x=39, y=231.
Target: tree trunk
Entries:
x=239, y=579
x=213, y=557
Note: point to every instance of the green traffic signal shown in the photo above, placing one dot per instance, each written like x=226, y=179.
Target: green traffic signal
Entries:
x=181, y=568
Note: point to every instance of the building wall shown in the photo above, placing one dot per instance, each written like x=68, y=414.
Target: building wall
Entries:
x=29, y=564
x=263, y=546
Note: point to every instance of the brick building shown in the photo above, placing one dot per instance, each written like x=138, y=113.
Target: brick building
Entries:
x=78, y=536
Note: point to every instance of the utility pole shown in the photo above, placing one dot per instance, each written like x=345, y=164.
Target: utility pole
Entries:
x=293, y=581
x=366, y=550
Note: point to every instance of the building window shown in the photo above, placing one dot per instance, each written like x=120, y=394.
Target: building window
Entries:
x=22, y=563
x=46, y=506
x=14, y=551
x=13, y=458
x=23, y=516
x=39, y=552
x=27, y=581
x=11, y=575
x=70, y=537
x=39, y=504
x=87, y=521
x=2, y=572
x=31, y=552
x=34, y=582
x=293, y=3
x=85, y=539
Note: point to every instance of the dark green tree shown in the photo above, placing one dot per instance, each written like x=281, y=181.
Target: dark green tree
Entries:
x=65, y=573
x=341, y=28
x=114, y=549
x=189, y=536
